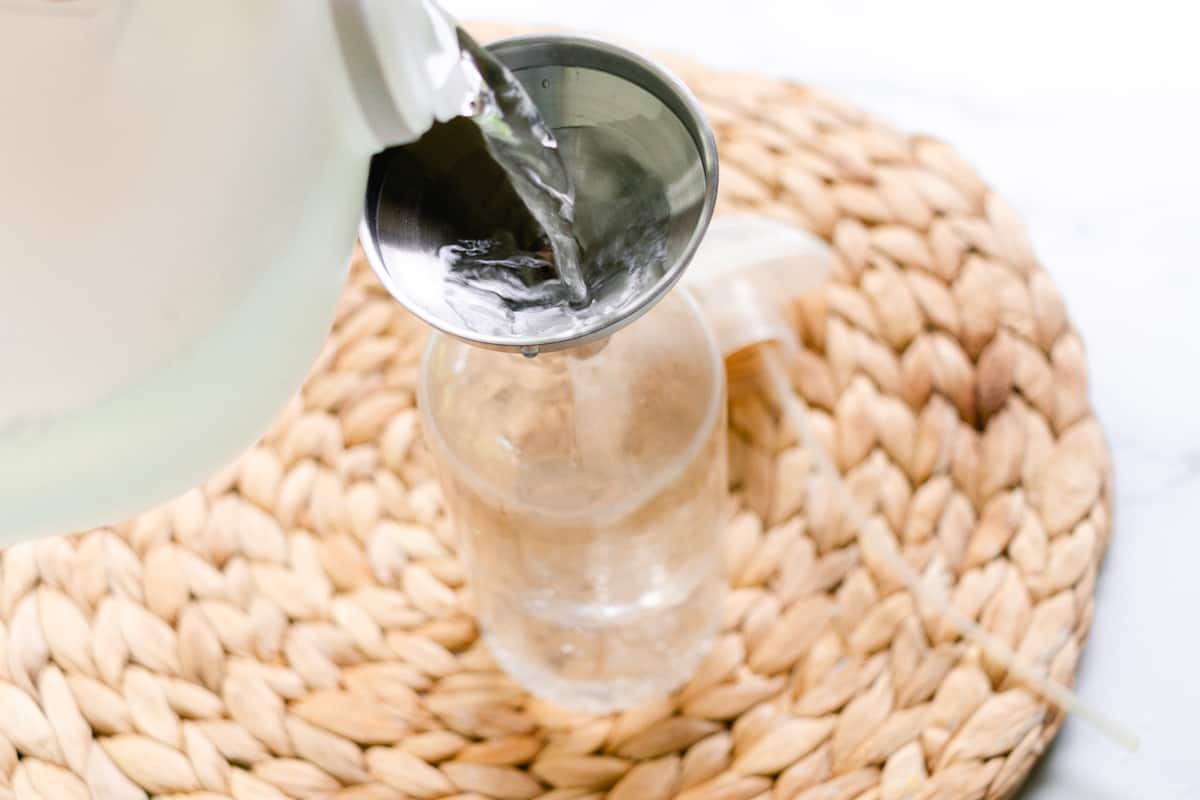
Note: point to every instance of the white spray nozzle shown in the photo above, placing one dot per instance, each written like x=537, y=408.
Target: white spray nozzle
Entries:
x=746, y=272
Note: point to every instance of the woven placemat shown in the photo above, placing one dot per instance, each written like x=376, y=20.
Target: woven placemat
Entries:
x=298, y=626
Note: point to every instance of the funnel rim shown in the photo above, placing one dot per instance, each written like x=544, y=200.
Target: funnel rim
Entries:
x=528, y=51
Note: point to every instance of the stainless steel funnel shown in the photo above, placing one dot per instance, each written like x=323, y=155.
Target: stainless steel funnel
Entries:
x=626, y=129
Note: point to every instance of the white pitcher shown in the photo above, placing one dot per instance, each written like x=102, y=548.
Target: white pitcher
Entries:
x=180, y=185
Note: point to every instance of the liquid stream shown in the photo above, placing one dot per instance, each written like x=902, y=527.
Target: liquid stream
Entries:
x=494, y=285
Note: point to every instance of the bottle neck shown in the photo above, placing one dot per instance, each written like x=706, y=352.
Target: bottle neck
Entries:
x=404, y=63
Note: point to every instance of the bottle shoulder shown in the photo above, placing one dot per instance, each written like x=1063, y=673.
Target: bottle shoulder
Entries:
x=613, y=420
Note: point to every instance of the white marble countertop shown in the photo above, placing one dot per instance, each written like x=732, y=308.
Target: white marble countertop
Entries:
x=1086, y=116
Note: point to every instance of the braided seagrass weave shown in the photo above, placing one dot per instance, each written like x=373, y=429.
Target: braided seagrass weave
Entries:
x=299, y=626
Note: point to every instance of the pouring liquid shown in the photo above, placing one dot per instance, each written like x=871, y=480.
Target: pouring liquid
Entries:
x=603, y=246
x=525, y=147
